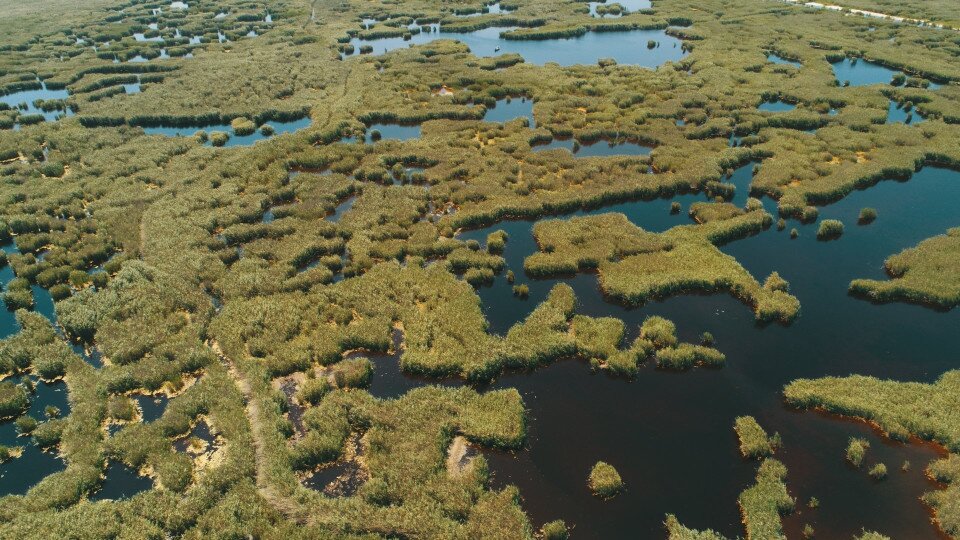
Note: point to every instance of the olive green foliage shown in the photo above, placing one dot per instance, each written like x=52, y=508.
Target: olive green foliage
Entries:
x=829, y=229
x=18, y=295
x=762, y=503
x=604, y=480
x=754, y=441
x=899, y=408
x=405, y=443
x=857, y=450
x=13, y=399
x=636, y=266
x=761, y=506
x=871, y=535
x=946, y=502
x=555, y=530
x=201, y=300
x=926, y=274
x=867, y=215
x=676, y=531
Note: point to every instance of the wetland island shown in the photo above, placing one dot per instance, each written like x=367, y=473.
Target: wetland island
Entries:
x=469, y=269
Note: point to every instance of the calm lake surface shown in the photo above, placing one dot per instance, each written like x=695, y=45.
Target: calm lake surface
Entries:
x=625, y=47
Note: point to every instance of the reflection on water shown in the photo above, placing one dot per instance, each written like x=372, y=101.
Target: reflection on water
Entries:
x=234, y=140
x=121, y=482
x=776, y=106
x=860, y=72
x=625, y=47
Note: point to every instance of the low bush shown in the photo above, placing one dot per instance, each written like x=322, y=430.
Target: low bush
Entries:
x=856, y=450
x=219, y=138
x=604, y=480
x=754, y=441
x=13, y=399
x=878, y=471
x=829, y=229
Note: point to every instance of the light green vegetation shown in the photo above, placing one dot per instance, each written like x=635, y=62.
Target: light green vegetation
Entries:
x=878, y=471
x=636, y=266
x=13, y=399
x=555, y=530
x=201, y=300
x=754, y=441
x=762, y=503
x=898, y=408
x=927, y=274
x=946, y=503
x=604, y=480
x=857, y=450
x=761, y=506
x=829, y=229
x=901, y=409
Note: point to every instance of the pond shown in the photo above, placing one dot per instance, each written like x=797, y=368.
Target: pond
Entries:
x=896, y=113
x=151, y=407
x=490, y=9
x=629, y=6
x=121, y=482
x=776, y=59
x=18, y=474
x=776, y=106
x=860, y=72
x=511, y=109
x=279, y=128
x=17, y=100
x=629, y=48
x=628, y=424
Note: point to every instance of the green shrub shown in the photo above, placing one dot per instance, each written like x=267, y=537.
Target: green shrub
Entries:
x=754, y=441
x=685, y=356
x=878, y=471
x=776, y=283
x=660, y=331
x=604, y=480
x=242, y=126
x=13, y=399
x=867, y=215
x=60, y=291
x=219, y=138
x=48, y=434
x=829, y=229
x=50, y=368
x=313, y=390
x=26, y=424
x=555, y=530
x=121, y=408
x=856, y=450
x=18, y=295
x=353, y=373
